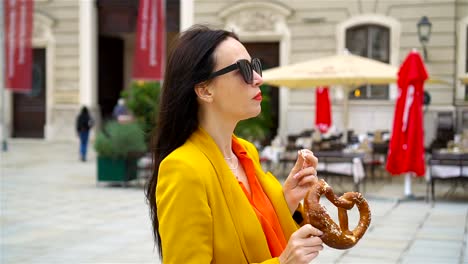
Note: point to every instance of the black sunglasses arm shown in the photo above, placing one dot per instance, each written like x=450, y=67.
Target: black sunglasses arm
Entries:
x=223, y=71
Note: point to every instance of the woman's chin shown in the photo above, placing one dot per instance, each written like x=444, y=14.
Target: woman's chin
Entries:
x=254, y=114
x=251, y=113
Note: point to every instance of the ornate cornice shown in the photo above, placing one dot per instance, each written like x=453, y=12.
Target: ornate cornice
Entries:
x=42, y=26
x=255, y=16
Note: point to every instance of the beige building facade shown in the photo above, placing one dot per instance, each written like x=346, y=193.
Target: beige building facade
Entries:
x=302, y=30
x=313, y=29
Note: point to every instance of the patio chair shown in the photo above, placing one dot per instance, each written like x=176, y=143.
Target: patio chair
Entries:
x=449, y=167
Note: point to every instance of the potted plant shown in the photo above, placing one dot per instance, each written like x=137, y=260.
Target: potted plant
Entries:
x=118, y=147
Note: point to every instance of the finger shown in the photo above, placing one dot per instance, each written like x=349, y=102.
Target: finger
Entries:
x=309, y=157
x=304, y=231
x=315, y=249
x=304, y=153
x=309, y=257
x=305, y=172
x=308, y=230
x=299, y=163
x=308, y=180
x=313, y=241
x=315, y=231
x=314, y=161
x=311, y=160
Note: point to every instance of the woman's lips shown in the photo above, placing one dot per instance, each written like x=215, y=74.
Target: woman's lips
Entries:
x=258, y=97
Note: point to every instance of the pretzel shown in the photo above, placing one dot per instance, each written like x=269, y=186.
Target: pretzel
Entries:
x=339, y=237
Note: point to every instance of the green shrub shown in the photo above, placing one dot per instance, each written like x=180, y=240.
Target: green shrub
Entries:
x=120, y=140
x=258, y=128
x=143, y=99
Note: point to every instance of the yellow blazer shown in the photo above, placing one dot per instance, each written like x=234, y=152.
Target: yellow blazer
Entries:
x=204, y=216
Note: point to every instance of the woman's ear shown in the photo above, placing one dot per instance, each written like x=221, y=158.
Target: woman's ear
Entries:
x=204, y=92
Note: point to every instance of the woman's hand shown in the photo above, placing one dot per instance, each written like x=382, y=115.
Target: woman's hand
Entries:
x=301, y=177
x=303, y=246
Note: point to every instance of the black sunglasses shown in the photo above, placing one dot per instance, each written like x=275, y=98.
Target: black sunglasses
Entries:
x=245, y=67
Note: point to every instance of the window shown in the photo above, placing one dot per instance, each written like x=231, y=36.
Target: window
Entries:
x=371, y=41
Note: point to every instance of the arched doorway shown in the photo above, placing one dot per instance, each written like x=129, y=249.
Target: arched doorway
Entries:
x=29, y=109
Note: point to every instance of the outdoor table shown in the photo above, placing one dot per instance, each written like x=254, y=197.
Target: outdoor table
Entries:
x=446, y=165
x=340, y=163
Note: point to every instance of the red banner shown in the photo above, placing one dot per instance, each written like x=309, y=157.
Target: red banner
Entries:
x=18, y=44
x=150, y=41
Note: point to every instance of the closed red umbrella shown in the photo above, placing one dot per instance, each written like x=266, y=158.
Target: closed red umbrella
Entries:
x=323, y=118
x=406, y=150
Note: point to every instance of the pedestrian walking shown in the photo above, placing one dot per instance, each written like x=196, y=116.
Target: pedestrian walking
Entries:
x=120, y=110
x=84, y=123
x=210, y=200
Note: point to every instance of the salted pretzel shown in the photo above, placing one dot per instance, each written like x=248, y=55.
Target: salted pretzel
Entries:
x=339, y=237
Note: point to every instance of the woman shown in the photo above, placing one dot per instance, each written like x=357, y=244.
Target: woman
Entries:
x=209, y=199
x=84, y=122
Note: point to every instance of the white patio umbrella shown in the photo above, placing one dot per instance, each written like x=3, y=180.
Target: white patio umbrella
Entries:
x=346, y=70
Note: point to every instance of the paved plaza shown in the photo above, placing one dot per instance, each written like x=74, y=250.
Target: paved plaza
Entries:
x=52, y=211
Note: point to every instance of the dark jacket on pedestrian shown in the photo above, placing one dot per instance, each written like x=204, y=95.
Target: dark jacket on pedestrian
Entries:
x=84, y=122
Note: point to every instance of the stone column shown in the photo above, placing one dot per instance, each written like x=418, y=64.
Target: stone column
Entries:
x=186, y=14
x=88, y=54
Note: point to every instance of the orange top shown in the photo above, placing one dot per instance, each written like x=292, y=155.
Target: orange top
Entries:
x=261, y=203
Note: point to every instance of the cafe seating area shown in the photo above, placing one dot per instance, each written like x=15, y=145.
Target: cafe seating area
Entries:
x=361, y=159
x=353, y=162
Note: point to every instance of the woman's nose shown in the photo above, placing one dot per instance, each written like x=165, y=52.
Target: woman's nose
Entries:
x=257, y=79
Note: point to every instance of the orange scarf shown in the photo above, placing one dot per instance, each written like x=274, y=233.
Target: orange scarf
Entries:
x=261, y=204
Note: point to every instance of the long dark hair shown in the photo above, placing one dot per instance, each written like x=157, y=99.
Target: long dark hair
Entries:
x=190, y=61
